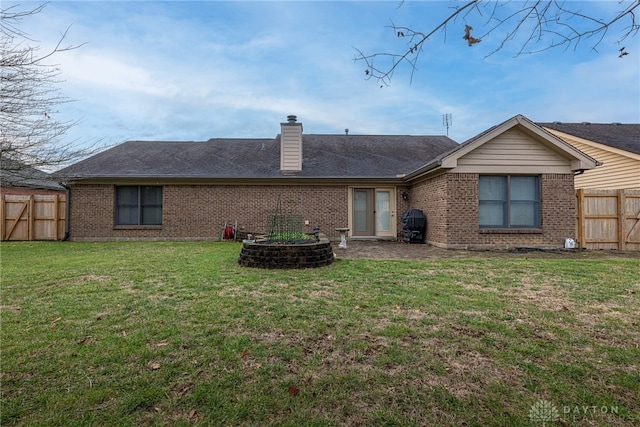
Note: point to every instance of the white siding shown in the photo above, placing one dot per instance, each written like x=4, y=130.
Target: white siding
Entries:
x=513, y=152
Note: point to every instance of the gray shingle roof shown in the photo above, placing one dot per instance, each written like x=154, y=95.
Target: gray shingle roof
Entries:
x=18, y=174
x=324, y=156
x=622, y=136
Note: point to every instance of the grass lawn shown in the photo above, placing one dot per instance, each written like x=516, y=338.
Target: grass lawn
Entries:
x=178, y=334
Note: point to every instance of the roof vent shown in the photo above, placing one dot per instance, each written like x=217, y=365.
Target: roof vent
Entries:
x=586, y=123
x=346, y=131
x=292, y=118
x=616, y=123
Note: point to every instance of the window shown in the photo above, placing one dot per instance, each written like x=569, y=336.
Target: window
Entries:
x=509, y=201
x=138, y=205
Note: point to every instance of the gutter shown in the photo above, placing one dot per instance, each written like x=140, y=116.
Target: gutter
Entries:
x=160, y=180
x=67, y=212
x=581, y=171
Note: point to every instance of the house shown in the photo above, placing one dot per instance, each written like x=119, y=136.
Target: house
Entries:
x=616, y=145
x=608, y=197
x=509, y=186
x=18, y=178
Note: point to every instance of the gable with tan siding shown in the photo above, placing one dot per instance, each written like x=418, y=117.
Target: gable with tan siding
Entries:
x=513, y=151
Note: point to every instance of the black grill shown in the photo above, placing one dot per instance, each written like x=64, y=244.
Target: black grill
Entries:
x=414, y=226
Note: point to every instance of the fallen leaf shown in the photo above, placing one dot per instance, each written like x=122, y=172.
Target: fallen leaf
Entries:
x=245, y=353
x=162, y=343
x=293, y=390
x=56, y=320
x=192, y=414
x=153, y=365
x=124, y=333
x=99, y=318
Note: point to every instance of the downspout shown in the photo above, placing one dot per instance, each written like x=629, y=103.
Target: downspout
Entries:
x=67, y=212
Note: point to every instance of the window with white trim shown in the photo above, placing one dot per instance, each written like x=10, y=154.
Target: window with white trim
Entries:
x=509, y=201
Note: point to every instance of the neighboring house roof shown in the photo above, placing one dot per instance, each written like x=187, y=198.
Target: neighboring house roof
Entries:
x=617, y=146
x=579, y=160
x=324, y=156
x=617, y=135
x=17, y=174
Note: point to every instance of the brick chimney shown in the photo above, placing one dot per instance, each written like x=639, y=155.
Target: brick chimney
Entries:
x=291, y=145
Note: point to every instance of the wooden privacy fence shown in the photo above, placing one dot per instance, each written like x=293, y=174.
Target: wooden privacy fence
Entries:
x=32, y=217
x=608, y=219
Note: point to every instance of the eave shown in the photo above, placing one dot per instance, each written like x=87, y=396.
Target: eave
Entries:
x=203, y=180
x=426, y=171
x=594, y=144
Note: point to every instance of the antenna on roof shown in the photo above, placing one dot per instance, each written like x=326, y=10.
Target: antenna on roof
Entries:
x=447, y=121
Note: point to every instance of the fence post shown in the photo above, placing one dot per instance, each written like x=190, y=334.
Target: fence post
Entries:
x=56, y=200
x=3, y=219
x=30, y=218
x=622, y=223
x=581, y=224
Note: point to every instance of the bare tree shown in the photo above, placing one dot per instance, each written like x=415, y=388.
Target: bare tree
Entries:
x=30, y=135
x=535, y=25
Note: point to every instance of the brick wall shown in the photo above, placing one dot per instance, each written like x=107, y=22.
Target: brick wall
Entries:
x=450, y=203
x=91, y=211
x=430, y=196
x=401, y=206
x=199, y=212
x=558, y=207
x=462, y=208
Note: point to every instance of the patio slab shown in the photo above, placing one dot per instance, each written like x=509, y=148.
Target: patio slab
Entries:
x=394, y=249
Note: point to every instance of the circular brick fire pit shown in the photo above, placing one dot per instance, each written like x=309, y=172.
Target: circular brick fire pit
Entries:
x=286, y=255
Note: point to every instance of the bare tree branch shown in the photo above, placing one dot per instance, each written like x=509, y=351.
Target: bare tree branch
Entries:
x=30, y=134
x=383, y=75
x=537, y=25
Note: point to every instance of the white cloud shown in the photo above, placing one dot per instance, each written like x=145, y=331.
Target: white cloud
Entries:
x=195, y=70
x=107, y=72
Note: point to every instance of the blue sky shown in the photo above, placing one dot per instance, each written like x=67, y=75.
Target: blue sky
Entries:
x=198, y=70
